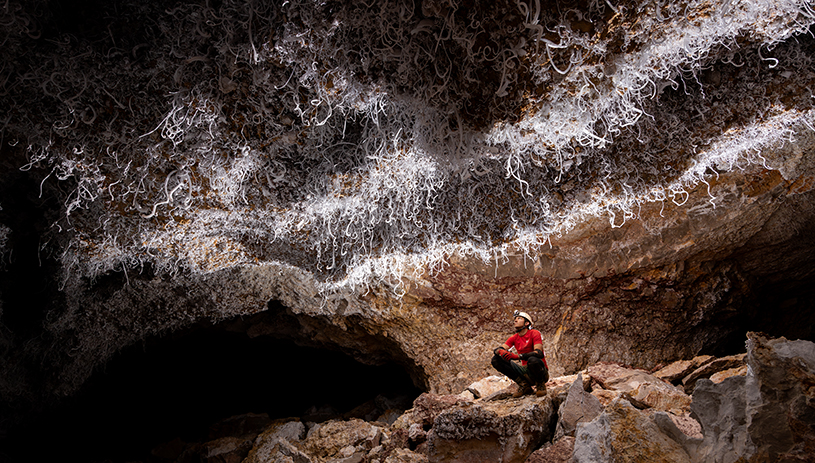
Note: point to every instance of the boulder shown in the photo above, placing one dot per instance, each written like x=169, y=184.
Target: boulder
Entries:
x=489, y=385
x=623, y=434
x=681, y=368
x=559, y=451
x=346, y=441
x=782, y=423
x=723, y=375
x=426, y=407
x=765, y=415
x=276, y=440
x=405, y=456
x=579, y=406
x=710, y=368
x=640, y=388
x=225, y=450
x=505, y=431
x=615, y=377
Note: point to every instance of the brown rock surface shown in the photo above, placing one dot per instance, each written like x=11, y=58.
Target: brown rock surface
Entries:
x=712, y=367
x=681, y=368
x=506, y=431
x=558, y=452
x=623, y=434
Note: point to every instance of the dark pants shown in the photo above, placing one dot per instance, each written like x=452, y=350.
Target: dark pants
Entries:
x=534, y=371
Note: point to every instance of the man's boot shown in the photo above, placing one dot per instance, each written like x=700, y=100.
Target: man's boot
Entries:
x=524, y=388
x=540, y=389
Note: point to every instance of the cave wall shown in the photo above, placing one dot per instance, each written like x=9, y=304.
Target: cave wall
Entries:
x=636, y=175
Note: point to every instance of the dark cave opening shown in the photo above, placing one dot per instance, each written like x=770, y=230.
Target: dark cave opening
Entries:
x=179, y=386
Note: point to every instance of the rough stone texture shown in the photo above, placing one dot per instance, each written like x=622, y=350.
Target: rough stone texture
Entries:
x=341, y=440
x=506, y=431
x=558, y=452
x=681, y=368
x=276, y=440
x=489, y=385
x=712, y=367
x=623, y=434
x=720, y=376
x=765, y=415
x=579, y=406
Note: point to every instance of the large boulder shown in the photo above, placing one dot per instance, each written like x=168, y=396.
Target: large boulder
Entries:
x=640, y=388
x=505, y=431
x=767, y=415
x=623, y=434
x=579, y=406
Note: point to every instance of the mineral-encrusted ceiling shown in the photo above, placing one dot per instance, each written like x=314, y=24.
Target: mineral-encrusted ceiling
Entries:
x=358, y=141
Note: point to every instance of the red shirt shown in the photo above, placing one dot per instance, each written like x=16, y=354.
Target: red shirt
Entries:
x=525, y=343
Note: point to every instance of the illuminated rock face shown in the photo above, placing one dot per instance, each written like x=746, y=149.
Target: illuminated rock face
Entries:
x=401, y=176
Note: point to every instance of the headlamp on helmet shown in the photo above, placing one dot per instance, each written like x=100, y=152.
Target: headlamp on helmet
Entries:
x=524, y=315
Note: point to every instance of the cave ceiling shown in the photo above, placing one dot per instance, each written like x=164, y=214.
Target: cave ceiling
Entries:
x=410, y=168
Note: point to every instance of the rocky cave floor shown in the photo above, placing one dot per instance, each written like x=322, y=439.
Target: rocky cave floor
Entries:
x=757, y=405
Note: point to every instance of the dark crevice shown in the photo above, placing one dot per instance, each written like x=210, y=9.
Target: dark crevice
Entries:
x=179, y=385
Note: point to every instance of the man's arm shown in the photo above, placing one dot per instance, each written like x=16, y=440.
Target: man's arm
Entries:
x=537, y=351
x=504, y=353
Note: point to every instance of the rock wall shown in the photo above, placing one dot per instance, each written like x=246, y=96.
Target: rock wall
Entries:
x=392, y=181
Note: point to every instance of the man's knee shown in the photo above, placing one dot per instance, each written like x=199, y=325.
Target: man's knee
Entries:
x=498, y=362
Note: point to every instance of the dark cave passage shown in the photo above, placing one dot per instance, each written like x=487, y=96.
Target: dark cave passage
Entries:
x=178, y=387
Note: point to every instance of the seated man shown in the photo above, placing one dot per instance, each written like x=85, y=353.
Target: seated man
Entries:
x=533, y=368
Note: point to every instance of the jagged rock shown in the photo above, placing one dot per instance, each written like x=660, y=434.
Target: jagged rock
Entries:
x=579, y=406
x=641, y=388
x=623, y=434
x=766, y=415
x=342, y=440
x=559, y=386
x=276, y=440
x=615, y=377
x=605, y=397
x=681, y=368
x=558, y=452
x=225, y=450
x=389, y=416
x=713, y=366
x=720, y=376
x=425, y=409
x=489, y=385
x=405, y=456
x=506, y=431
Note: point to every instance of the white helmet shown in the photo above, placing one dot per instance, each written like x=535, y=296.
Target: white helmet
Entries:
x=523, y=315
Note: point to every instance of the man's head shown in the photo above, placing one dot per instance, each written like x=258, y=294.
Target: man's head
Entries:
x=522, y=321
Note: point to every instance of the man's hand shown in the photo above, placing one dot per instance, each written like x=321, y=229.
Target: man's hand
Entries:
x=507, y=355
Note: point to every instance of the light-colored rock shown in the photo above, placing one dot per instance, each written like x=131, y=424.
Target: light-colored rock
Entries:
x=660, y=395
x=681, y=368
x=341, y=440
x=712, y=367
x=616, y=377
x=579, y=406
x=606, y=397
x=268, y=443
x=623, y=434
x=720, y=376
x=489, y=385
x=505, y=431
x=425, y=409
x=642, y=389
